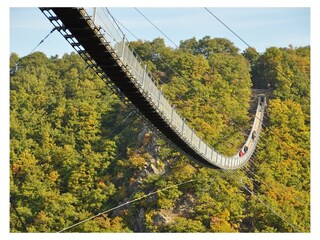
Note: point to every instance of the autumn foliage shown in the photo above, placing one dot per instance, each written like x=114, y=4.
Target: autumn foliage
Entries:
x=76, y=149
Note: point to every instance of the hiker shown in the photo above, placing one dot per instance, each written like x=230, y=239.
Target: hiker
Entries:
x=245, y=149
x=254, y=134
x=241, y=153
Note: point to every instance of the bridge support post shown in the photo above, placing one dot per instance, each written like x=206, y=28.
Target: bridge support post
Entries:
x=191, y=136
x=206, y=150
x=159, y=97
x=94, y=14
x=123, y=47
x=144, y=76
x=183, y=122
x=172, y=110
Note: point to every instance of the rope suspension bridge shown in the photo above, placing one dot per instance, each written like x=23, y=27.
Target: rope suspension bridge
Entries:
x=97, y=38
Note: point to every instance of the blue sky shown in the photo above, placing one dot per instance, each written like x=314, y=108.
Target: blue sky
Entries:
x=260, y=27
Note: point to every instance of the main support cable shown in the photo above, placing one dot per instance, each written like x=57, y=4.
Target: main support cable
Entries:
x=232, y=174
x=271, y=186
x=42, y=40
x=284, y=218
x=12, y=71
x=13, y=205
x=117, y=20
x=227, y=27
x=124, y=123
x=156, y=27
x=255, y=51
x=126, y=203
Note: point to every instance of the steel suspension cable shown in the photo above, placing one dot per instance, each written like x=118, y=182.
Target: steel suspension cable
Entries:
x=282, y=217
x=257, y=178
x=80, y=163
x=255, y=51
x=42, y=40
x=126, y=203
x=125, y=27
x=156, y=27
x=16, y=64
x=13, y=205
x=227, y=27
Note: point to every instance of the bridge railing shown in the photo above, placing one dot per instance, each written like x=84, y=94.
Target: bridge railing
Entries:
x=115, y=38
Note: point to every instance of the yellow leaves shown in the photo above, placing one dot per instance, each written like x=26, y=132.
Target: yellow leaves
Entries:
x=150, y=224
x=110, y=224
x=137, y=161
x=15, y=168
x=102, y=185
x=191, y=66
x=41, y=100
x=188, y=170
x=27, y=159
x=184, y=172
x=25, y=163
x=42, y=222
x=181, y=224
x=41, y=218
x=220, y=222
x=60, y=111
x=53, y=176
x=165, y=203
x=287, y=114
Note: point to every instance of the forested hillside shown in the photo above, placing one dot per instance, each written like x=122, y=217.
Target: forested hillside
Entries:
x=77, y=150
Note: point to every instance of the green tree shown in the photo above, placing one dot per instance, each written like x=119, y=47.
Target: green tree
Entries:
x=184, y=225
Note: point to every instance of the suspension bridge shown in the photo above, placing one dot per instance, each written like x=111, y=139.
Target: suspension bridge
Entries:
x=96, y=37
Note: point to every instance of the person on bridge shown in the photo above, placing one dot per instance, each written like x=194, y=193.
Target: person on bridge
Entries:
x=261, y=103
x=241, y=153
x=254, y=134
x=245, y=149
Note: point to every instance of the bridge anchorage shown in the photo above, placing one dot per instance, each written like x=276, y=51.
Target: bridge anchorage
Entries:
x=95, y=35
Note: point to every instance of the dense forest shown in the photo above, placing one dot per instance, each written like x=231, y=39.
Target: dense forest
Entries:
x=77, y=150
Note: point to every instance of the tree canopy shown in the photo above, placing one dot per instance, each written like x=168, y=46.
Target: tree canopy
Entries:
x=76, y=150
